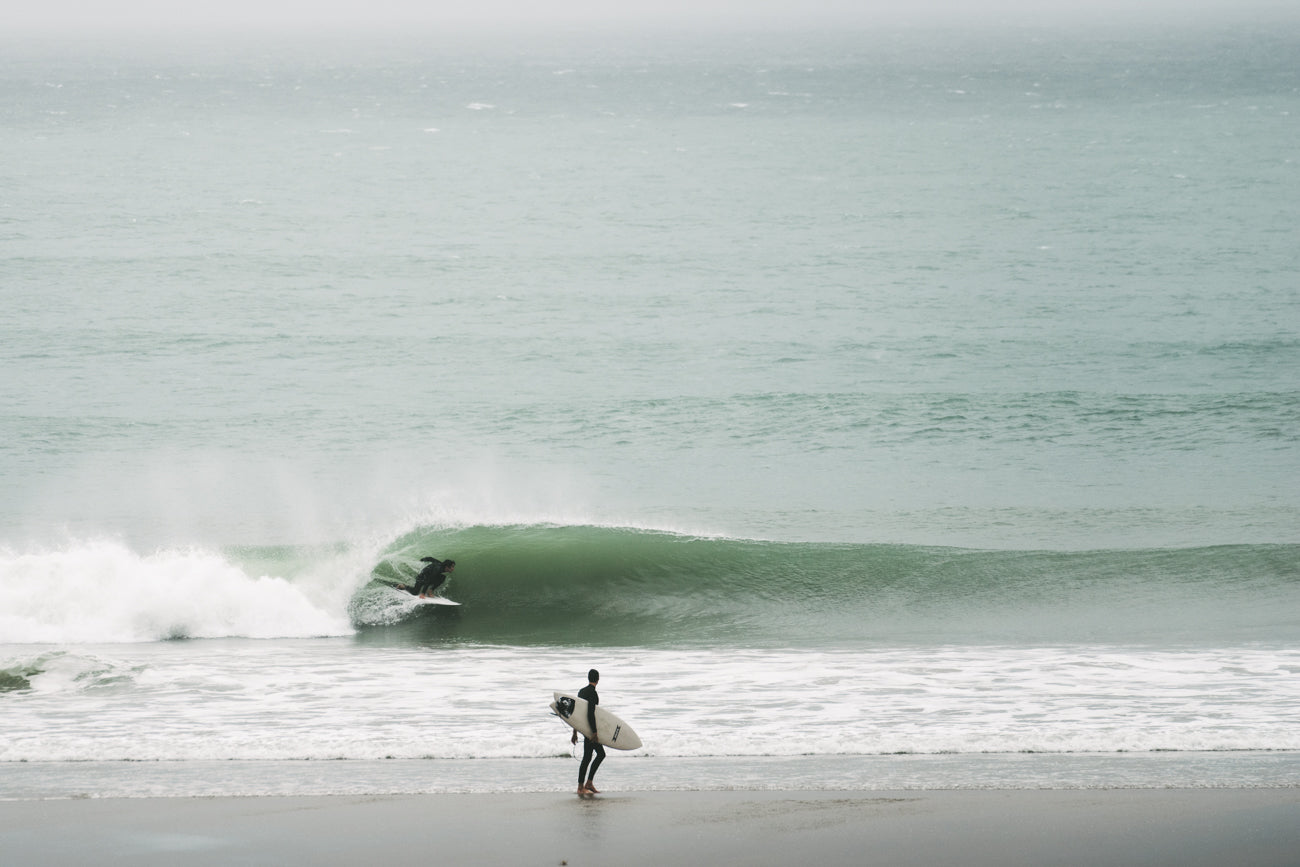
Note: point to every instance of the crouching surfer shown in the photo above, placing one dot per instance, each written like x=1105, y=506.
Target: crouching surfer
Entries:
x=589, y=745
x=431, y=577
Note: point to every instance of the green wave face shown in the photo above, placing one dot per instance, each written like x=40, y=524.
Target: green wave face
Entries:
x=542, y=584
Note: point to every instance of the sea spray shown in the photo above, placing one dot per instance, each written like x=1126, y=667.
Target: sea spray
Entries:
x=104, y=592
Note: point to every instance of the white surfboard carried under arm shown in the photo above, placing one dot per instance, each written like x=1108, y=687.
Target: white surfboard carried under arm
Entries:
x=610, y=730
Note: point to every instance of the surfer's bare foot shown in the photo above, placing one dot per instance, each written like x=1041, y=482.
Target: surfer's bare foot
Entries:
x=582, y=790
x=592, y=789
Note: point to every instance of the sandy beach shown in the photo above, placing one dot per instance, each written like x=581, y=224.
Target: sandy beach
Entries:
x=1184, y=827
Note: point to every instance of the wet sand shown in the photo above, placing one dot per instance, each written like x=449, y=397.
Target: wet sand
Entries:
x=1183, y=827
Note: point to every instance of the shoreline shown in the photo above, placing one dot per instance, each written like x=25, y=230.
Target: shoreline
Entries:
x=23, y=780
x=1186, y=827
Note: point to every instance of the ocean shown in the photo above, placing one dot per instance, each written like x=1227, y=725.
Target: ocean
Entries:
x=895, y=407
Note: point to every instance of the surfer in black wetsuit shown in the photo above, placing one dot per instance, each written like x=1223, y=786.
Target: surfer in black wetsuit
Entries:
x=589, y=745
x=431, y=577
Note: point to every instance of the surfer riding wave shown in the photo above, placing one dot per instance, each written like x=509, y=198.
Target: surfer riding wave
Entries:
x=431, y=577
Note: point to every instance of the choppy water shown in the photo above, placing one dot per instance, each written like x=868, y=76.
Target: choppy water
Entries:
x=913, y=392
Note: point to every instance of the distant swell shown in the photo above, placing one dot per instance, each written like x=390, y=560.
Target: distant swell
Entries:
x=573, y=585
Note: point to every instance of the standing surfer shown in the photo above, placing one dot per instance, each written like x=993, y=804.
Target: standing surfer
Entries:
x=431, y=577
x=589, y=744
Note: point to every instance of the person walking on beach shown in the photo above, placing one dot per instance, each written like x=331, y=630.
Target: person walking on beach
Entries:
x=589, y=745
x=431, y=577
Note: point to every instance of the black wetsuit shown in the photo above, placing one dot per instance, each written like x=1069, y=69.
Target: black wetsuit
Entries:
x=589, y=746
x=431, y=577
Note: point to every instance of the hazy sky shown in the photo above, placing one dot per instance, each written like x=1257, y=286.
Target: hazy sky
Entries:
x=62, y=15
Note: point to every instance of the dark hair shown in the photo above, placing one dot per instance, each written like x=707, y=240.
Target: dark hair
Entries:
x=447, y=564
x=593, y=676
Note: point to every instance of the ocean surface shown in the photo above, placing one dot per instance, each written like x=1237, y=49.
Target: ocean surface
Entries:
x=905, y=407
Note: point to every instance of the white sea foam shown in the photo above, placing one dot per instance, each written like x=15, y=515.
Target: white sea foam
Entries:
x=103, y=592
x=322, y=699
